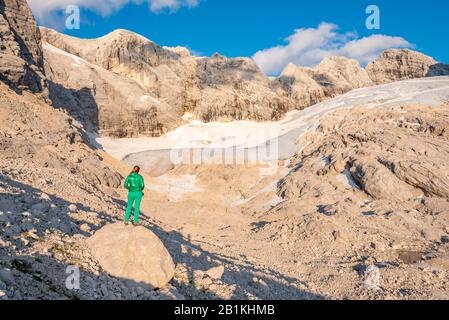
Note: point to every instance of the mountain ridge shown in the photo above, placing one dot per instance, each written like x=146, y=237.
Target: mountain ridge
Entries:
x=218, y=88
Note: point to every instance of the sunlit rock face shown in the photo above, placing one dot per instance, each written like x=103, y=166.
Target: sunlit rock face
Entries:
x=401, y=64
x=21, y=60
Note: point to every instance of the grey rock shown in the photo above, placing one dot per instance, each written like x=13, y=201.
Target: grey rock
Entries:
x=40, y=208
x=104, y=290
x=140, y=291
x=4, y=218
x=7, y=277
x=27, y=226
x=18, y=295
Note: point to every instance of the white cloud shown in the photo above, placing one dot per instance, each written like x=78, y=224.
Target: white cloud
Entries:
x=45, y=8
x=307, y=47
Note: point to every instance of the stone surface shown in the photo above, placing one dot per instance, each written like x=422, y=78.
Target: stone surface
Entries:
x=7, y=277
x=134, y=254
x=332, y=77
x=21, y=59
x=401, y=64
x=159, y=165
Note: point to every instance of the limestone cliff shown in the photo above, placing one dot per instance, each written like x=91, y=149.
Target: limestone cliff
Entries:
x=333, y=76
x=21, y=60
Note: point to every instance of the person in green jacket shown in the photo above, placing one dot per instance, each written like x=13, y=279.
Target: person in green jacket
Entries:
x=135, y=184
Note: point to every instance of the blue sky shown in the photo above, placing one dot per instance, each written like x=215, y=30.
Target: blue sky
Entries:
x=245, y=27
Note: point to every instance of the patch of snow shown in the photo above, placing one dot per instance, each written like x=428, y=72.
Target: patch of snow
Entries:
x=53, y=49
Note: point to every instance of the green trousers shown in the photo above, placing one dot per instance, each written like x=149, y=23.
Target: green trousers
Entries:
x=133, y=198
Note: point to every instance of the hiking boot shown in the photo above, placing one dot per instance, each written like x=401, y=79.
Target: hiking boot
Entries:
x=135, y=224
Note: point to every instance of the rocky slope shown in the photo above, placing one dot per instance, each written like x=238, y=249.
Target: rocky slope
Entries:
x=332, y=77
x=370, y=189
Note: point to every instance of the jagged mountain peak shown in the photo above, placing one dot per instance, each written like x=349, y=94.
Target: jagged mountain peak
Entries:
x=401, y=64
x=405, y=52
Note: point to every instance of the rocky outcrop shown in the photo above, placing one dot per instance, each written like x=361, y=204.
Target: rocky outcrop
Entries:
x=378, y=182
x=332, y=77
x=235, y=89
x=401, y=64
x=391, y=155
x=21, y=60
x=134, y=254
x=370, y=181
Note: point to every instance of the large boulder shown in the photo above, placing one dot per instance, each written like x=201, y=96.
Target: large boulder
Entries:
x=132, y=253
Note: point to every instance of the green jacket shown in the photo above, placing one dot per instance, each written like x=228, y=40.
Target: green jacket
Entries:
x=134, y=183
